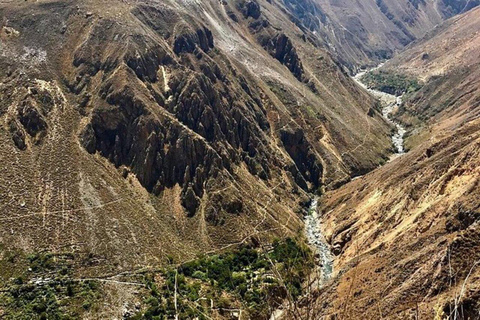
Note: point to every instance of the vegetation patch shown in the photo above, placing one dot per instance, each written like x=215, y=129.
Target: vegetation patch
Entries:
x=244, y=280
x=50, y=300
x=45, y=289
x=392, y=83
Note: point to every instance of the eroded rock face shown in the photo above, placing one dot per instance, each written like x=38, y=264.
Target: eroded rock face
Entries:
x=146, y=65
x=187, y=41
x=299, y=148
x=461, y=218
x=17, y=135
x=183, y=135
x=29, y=122
x=168, y=103
x=32, y=120
x=282, y=49
x=190, y=201
x=306, y=14
x=159, y=151
x=250, y=8
x=163, y=152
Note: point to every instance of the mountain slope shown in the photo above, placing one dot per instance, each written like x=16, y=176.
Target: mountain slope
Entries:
x=407, y=237
x=137, y=131
x=446, y=60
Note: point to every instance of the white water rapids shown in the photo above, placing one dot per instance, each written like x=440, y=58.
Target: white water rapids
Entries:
x=319, y=244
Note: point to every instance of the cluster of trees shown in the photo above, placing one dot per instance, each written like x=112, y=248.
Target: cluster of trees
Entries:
x=246, y=278
x=392, y=83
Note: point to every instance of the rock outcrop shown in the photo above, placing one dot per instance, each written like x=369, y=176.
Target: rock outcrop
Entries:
x=300, y=150
x=188, y=40
x=281, y=48
x=250, y=8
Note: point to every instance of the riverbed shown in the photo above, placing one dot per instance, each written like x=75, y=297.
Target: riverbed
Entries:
x=313, y=228
x=389, y=103
x=316, y=239
x=323, y=256
x=319, y=244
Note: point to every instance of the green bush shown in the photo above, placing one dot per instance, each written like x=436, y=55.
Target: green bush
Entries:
x=199, y=275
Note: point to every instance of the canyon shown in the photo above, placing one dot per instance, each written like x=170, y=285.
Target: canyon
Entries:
x=146, y=143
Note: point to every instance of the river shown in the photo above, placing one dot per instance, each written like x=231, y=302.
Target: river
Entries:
x=318, y=242
x=312, y=222
x=321, y=249
x=389, y=102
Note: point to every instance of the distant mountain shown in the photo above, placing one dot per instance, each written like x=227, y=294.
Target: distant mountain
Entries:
x=364, y=32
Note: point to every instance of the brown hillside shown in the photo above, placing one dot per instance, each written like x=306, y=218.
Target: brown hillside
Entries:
x=134, y=130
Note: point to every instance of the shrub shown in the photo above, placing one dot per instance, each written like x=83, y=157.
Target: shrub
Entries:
x=199, y=275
